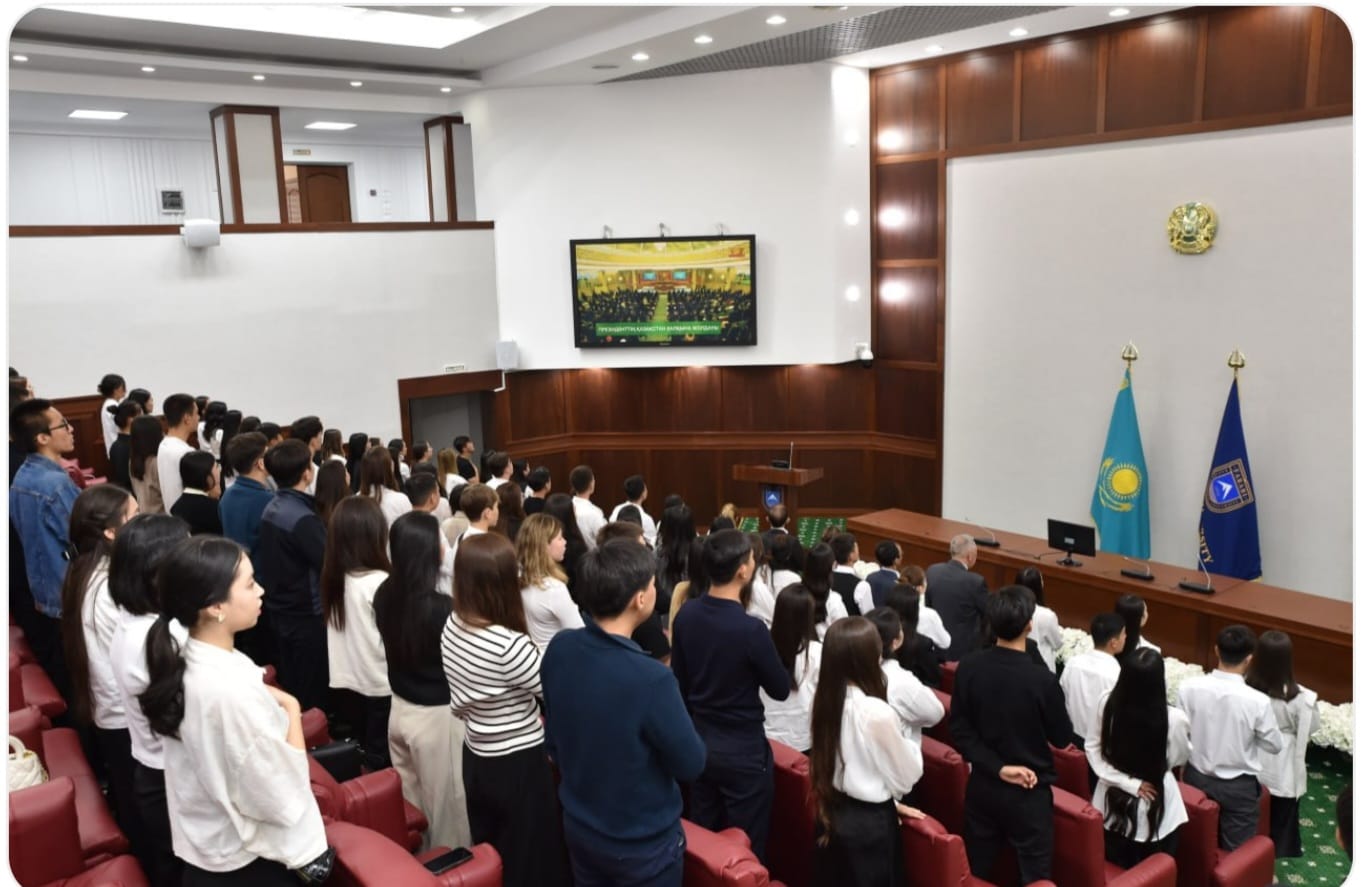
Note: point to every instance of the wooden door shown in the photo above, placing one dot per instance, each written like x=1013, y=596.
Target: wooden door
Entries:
x=324, y=194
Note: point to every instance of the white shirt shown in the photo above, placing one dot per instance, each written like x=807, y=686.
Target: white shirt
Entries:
x=168, y=468
x=1231, y=724
x=790, y=721
x=496, y=482
x=916, y=704
x=549, y=610
x=835, y=609
x=648, y=524
x=930, y=625
x=235, y=789
x=590, y=519
x=762, y=599
x=1086, y=678
x=1284, y=773
x=393, y=505
x=1045, y=632
x=1179, y=748
x=781, y=579
x=453, y=481
x=108, y=429
x=864, y=595
x=1144, y=643
x=356, y=655
x=128, y=656
x=99, y=619
x=877, y=763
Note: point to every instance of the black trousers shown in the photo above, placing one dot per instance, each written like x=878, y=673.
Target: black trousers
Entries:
x=159, y=861
x=736, y=790
x=302, y=644
x=1285, y=826
x=259, y=873
x=512, y=805
x=1128, y=854
x=863, y=848
x=1239, y=800
x=996, y=811
x=116, y=753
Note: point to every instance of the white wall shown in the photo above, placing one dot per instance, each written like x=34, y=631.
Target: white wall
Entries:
x=394, y=173
x=278, y=325
x=1057, y=258
x=763, y=152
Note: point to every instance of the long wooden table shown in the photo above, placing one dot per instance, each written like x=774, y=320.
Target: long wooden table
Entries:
x=1183, y=623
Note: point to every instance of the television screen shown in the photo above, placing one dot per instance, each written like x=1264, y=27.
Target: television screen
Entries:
x=664, y=291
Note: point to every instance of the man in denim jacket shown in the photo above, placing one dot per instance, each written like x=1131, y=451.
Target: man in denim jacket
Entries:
x=41, y=497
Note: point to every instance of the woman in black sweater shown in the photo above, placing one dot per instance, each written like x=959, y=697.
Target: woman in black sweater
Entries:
x=119, y=451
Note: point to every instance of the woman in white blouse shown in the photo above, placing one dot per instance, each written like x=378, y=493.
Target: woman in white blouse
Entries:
x=545, y=597
x=355, y=562
x=763, y=592
x=113, y=389
x=795, y=637
x=1132, y=608
x=378, y=483
x=917, y=706
x=1133, y=746
x=1044, y=624
x=1294, y=708
x=237, y=774
x=89, y=618
x=861, y=763
x=447, y=474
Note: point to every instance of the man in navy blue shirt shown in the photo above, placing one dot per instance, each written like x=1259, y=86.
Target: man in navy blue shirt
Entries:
x=617, y=729
x=722, y=659
x=240, y=510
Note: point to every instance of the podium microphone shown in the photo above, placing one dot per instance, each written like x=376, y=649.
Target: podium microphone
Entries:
x=1193, y=586
x=1146, y=576
x=990, y=542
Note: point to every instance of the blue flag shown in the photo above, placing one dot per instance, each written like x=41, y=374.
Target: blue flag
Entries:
x=1120, y=507
x=1229, y=533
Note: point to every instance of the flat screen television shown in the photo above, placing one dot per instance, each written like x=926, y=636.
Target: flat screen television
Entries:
x=680, y=291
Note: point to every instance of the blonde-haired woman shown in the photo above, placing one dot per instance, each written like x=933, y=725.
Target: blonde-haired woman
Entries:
x=546, y=599
x=447, y=474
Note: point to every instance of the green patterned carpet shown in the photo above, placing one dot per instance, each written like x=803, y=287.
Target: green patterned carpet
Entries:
x=809, y=529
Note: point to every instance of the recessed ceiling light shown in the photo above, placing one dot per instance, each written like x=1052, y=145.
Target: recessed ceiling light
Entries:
x=934, y=49
x=356, y=83
x=702, y=39
x=148, y=69
x=258, y=76
x=458, y=9
x=775, y=20
x=324, y=124
x=1018, y=32
x=852, y=293
x=98, y=115
x=640, y=57
x=19, y=58
x=852, y=217
x=446, y=89
x=1119, y=11
x=892, y=218
x=605, y=67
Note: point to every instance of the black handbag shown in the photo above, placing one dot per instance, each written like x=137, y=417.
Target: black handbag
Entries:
x=341, y=758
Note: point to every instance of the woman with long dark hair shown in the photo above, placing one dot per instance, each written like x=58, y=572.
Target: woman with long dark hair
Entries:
x=787, y=556
x=332, y=446
x=89, y=618
x=377, y=482
x=143, y=398
x=124, y=414
x=139, y=548
x=1045, y=623
x=673, y=539
x=917, y=706
x=144, y=439
x=1131, y=607
x=494, y=672
x=425, y=739
x=211, y=429
x=511, y=514
x=330, y=488
x=917, y=653
x=1294, y=708
x=232, y=427
x=237, y=774
x=357, y=445
x=398, y=450
x=861, y=763
x=562, y=508
x=355, y=562
x=696, y=581
x=760, y=601
x=795, y=637
x=113, y=389
x=1133, y=747
x=817, y=570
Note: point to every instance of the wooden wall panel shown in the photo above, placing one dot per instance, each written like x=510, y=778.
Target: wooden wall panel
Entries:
x=558, y=463
x=682, y=398
x=537, y=399
x=907, y=314
x=1151, y=74
x=84, y=415
x=1059, y=88
x=1256, y=60
x=907, y=106
x=905, y=211
x=754, y=398
x=905, y=402
x=845, y=480
x=1336, y=83
x=906, y=482
x=611, y=468
x=599, y=400
x=693, y=474
x=979, y=96
x=830, y=398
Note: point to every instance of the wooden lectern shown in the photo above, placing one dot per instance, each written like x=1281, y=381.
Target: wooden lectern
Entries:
x=768, y=476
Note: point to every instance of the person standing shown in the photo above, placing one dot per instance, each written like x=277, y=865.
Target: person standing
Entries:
x=113, y=389
x=960, y=596
x=1295, y=710
x=182, y=422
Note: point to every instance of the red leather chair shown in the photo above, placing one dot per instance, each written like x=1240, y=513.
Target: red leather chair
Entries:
x=19, y=645
x=315, y=724
x=1071, y=769
x=368, y=859
x=1079, y=857
x=792, y=838
x=45, y=842
x=722, y=859
x=1201, y=861
x=374, y=801
x=936, y=858
x=948, y=677
x=945, y=780
x=30, y=685
x=62, y=756
x=941, y=731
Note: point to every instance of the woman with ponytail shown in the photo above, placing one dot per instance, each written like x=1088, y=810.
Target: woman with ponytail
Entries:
x=237, y=774
x=138, y=551
x=88, y=621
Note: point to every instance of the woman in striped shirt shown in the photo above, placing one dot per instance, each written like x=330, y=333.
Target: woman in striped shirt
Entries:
x=493, y=669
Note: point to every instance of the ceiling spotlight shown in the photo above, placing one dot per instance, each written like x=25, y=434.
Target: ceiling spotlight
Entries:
x=258, y=76
x=934, y=49
x=148, y=69
x=775, y=20
x=1018, y=32
x=458, y=9
x=356, y=83
x=640, y=57
x=329, y=125
x=702, y=39
x=446, y=89
x=19, y=58
x=97, y=115
x=852, y=293
x=852, y=217
x=1119, y=11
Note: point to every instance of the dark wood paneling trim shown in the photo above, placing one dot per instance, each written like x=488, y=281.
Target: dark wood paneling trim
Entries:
x=725, y=441
x=218, y=172
x=441, y=386
x=280, y=168
x=1313, y=61
x=1199, y=82
x=1103, y=63
x=427, y=170
x=921, y=366
x=92, y=230
x=1016, y=95
x=449, y=149
x=907, y=263
x=234, y=175
x=260, y=228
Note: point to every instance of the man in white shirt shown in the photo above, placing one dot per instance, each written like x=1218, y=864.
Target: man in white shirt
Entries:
x=1231, y=722
x=635, y=487
x=1089, y=675
x=588, y=515
x=854, y=591
x=500, y=466
x=182, y=418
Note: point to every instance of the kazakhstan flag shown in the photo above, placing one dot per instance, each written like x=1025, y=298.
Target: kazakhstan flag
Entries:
x=1120, y=507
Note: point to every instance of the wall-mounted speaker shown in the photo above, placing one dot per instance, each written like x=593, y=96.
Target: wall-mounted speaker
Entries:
x=506, y=355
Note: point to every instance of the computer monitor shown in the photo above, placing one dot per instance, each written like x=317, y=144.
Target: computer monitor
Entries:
x=1071, y=539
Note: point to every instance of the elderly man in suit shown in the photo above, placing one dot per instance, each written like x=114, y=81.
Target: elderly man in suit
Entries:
x=960, y=597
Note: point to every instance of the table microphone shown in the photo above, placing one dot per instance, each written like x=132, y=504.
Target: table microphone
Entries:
x=1193, y=586
x=1146, y=576
x=990, y=542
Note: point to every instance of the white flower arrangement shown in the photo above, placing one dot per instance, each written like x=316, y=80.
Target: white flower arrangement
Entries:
x=1337, y=721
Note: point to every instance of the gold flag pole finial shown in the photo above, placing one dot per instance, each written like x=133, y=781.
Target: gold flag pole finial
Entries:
x=1236, y=361
x=1129, y=354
